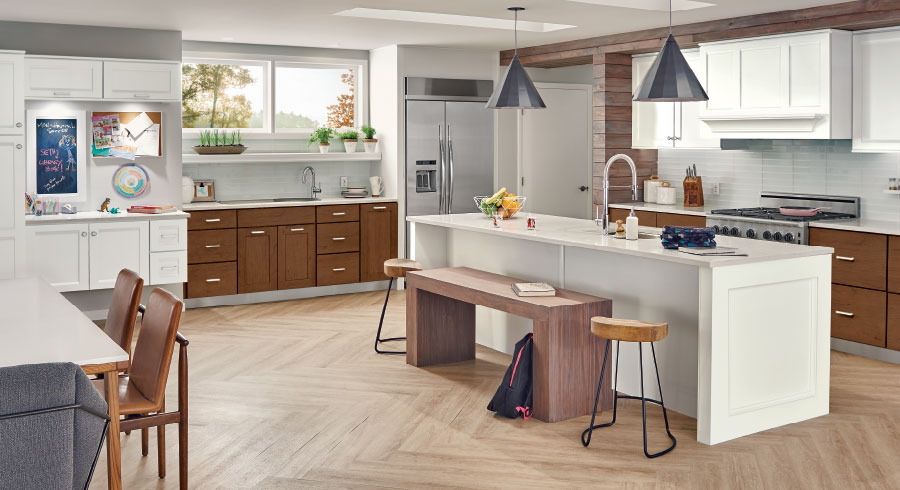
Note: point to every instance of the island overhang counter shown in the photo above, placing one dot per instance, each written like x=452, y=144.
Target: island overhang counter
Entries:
x=749, y=336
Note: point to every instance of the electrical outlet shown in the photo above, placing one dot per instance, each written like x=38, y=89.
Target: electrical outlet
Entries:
x=345, y=181
x=715, y=189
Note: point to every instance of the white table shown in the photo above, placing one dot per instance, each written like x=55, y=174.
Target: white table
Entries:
x=38, y=325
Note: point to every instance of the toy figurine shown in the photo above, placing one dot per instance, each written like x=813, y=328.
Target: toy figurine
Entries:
x=104, y=208
x=620, y=229
x=115, y=211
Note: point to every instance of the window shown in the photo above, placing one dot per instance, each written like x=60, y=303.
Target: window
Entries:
x=223, y=94
x=272, y=96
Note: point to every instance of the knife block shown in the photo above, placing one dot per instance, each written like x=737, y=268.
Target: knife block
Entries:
x=693, y=192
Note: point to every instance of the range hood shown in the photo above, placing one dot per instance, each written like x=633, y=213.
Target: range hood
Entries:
x=793, y=86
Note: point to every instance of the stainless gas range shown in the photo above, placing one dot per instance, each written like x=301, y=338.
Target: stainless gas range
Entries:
x=766, y=223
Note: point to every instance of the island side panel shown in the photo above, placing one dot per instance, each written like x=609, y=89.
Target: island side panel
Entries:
x=439, y=329
x=766, y=337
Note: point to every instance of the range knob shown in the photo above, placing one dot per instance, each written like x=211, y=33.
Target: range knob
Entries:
x=778, y=237
x=789, y=237
x=723, y=230
x=767, y=235
x=751, y=233
x=735, y=231
x=717, y=229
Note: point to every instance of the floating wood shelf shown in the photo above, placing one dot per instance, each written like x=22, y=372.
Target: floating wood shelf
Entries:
x=192, y=158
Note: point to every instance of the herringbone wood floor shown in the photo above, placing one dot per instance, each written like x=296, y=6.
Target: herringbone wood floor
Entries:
x=291, y=396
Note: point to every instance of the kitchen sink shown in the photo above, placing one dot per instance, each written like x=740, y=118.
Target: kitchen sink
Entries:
x=304, y=199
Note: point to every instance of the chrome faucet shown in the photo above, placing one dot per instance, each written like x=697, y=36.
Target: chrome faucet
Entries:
x=604, y=220
x=314, y=190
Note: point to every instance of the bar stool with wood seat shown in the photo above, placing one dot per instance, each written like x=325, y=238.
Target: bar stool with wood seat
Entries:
x=394, y=269
x=622, y=330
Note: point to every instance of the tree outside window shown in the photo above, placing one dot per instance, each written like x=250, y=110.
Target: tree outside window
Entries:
x=220, y=95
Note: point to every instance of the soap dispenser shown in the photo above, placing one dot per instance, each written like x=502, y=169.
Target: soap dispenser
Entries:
x=631, y=226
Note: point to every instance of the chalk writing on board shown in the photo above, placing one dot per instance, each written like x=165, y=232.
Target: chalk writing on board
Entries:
x=57, y=156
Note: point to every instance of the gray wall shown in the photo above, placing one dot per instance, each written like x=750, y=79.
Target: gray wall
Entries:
x=268, y=50
x=90, y=41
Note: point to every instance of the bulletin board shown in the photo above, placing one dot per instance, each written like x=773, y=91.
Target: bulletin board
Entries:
x=127, y=117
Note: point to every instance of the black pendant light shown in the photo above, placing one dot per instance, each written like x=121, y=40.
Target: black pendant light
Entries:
x=516, y=90
x=670, y=79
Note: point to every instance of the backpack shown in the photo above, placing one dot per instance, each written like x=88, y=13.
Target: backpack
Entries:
x=513, y=397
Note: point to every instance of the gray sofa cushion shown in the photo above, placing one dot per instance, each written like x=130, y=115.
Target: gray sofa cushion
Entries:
x=52, y=450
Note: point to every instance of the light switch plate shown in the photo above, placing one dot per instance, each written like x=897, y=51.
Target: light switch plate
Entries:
x=345, y=181
x=715, y=189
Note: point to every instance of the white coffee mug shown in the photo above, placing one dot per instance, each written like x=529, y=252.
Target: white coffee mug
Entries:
x=377, y=186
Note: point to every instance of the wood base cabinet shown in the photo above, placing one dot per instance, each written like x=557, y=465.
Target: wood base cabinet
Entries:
x=337, y=269
x=296, y=256
x=216, y=279
x=257, y=259
x=378, y=230
x=858, y=314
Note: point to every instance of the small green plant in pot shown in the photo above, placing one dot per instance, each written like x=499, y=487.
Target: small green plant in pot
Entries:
x=323, y=137
x=350, y=138
x=370, y=143
x=216, y=142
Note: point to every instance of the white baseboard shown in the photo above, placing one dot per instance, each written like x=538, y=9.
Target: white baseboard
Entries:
x=864, y=350
x=284, y=295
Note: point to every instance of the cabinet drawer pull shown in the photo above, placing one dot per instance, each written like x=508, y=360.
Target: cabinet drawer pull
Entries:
x=297, y=229
x=338, y=214
x=844, y=313
x=215, y=279
x=845, y=259
x=213, y=246
x=65, y=94
x=83, y=233
x=339, y=269
x=169, y=267
x=338, y=238
x=141, y=96
x=213, y=220
x=379, y=207
x=93, y=233
x=169, y=236
x=258, y=232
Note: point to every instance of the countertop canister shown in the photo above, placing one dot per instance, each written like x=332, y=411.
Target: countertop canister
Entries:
x=650, y=187
x=665, y=194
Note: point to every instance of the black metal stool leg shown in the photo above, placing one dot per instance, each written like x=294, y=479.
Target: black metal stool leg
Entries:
x=586, y=435
x=661, y=404
x=378, y=338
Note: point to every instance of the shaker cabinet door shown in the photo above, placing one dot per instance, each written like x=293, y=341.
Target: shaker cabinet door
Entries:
x=378, y=239
x=296, y=256
x=117, y=246
x=59, y=254
x=257, y=259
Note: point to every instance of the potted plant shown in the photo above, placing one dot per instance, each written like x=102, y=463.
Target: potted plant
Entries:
x=323, y=137
x=370, y=143
x=214, y=142
x=350, y=138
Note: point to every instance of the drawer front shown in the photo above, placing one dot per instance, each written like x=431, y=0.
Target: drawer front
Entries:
x=168, y=267
x=211, y=220
x=672, y=219
x=893, y=322
x=212, y=279
x=337, y=269
x=335, y=238
x=645, y=218
x=859, y=259
x=212, y=246
x=858, y=314
x=297, y=215
x=337, y=213
x=893, y=279
x=168, y=235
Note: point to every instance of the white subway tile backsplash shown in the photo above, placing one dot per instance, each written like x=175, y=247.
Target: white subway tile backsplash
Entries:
x=817, y=167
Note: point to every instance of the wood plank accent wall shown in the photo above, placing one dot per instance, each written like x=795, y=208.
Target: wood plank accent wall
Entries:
x=611, y=57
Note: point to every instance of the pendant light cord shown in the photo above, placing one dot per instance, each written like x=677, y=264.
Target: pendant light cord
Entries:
x=516, y=32
x=670, y=17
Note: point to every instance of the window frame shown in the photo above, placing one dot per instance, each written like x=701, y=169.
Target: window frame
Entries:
x=266, y=85
x=269, y=131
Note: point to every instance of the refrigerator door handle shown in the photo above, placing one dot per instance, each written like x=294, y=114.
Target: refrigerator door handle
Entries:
x=441, y=196
x=450, y=158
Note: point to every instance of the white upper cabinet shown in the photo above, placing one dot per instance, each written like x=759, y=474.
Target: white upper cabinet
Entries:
x=12, y=101
x=668, y=124
x=876, y=100
x=142, y=80
x=793, y=86
x=63, y=77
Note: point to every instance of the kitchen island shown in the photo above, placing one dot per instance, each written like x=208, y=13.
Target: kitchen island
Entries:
x=748, y=344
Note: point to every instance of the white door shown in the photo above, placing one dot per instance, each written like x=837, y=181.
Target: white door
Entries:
x=12, y=99
x=141, y=80
x=59, y=254
x=555, y=152
x=12, y=216
x=117, y=246
x=63, y=78
x=876, y=100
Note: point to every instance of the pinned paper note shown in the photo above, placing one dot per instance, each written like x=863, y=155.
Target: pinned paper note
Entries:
x=138, y=125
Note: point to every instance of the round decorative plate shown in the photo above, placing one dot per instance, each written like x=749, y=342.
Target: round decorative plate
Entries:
x=131, y=180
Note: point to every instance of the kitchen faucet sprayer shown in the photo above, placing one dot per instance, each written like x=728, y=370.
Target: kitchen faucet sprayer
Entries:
x=603, y=221
x=314, y=190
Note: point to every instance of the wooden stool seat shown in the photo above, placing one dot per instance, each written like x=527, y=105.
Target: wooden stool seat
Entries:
x=398, y=268
x=628, y=330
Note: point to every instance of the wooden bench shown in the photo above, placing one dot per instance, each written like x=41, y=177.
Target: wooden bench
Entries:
x=440, y=329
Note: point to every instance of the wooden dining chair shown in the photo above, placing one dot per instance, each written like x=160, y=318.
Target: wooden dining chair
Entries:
x=123, y=308
x=142, y=391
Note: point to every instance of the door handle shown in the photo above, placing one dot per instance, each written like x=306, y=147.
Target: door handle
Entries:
x=376, y=208
x=258, y=232
x=93, y=233
x=168, y=236
x=213, y=246
x=338, y=214
x=169, y=267
x=844, y=313
x=297, y=229
x=62, y=94
x=215, y=279
x=83, y=233
x=338, y=238
x=450, y=158
x=583, y=188
x=442, y=196
x=845, y=259
x=213, y=220
x=19, y=146
x=141, y=96
x=339, y=269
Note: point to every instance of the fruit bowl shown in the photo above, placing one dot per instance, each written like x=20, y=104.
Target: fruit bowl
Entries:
x=508, y=208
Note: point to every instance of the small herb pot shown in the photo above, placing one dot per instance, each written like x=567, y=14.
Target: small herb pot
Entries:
x=324, y=147
x=370, y=145
x=350, y=146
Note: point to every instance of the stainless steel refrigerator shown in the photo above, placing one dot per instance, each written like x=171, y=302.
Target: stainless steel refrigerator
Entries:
x=449, y=145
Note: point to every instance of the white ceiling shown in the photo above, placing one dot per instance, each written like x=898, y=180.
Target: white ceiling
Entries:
x=313, y=23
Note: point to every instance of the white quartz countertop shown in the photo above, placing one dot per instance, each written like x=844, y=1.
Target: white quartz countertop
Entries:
x=88, y=216
x=268, y=203
x=861, y=225
x=666, y=208
x=585, y=234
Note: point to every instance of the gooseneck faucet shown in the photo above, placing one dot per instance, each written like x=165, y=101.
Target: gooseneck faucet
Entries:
x=604, y=220
x=315, y=190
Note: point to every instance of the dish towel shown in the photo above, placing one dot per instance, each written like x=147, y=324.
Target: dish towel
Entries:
x=674, y=237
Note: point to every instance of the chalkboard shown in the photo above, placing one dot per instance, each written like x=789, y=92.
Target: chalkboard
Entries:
x=57, y=162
